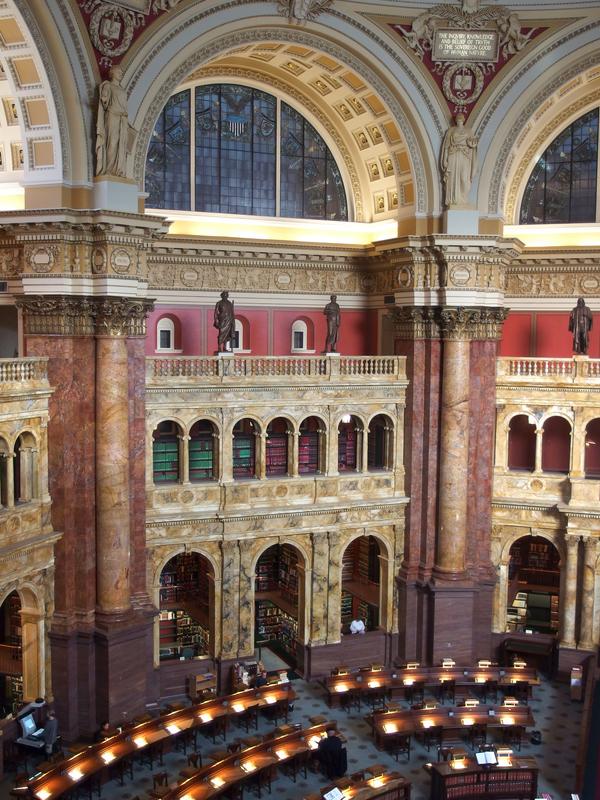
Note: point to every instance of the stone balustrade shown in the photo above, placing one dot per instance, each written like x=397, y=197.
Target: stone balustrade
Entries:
x=23, y=370
x=578, y=369
x=307, y=369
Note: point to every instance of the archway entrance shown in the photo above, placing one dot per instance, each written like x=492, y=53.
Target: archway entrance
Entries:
x=279, y=594
x=186, y=607
x=361, y=582
x=11, y=657
x=533, y=586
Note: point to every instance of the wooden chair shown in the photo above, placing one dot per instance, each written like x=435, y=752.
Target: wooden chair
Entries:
x=123, y=767
x=400, y=744
x=260, y=780
x=160, y=779
x=186, y=739
x=513, y=735
x=415, y=693
x=490, y=690
x=298, y=763
x=433, y=737
x=521, y=691
x=194, y=761
x=477, y=736
x=447, y=691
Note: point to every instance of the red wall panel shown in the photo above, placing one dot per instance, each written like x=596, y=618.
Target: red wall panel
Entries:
x=190, y=325
x=553, y=339
x=516, y=335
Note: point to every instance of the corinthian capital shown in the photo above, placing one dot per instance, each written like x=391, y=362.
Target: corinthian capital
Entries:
x=121, y=316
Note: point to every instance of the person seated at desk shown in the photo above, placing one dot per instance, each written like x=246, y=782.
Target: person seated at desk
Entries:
x=331, y=754
x=261, y=680
x=357, y=626
x=104, y=732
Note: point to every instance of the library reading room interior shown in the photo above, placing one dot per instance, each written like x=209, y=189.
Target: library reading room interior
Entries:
x=299, y=399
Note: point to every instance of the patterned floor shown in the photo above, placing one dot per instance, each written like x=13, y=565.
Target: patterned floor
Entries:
x=556, y=716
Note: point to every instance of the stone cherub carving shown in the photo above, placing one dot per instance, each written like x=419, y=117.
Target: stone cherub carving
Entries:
x=580, y=323
x=458, y=162
x=114, y=134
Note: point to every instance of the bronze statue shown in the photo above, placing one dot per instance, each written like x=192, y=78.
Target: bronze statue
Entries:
x=580, y=322
x=332, y=312
x=224, y=322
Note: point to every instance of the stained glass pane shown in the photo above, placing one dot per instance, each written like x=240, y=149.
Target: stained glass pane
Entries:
x=168, y=159
x=562, y=186
x=235, y=151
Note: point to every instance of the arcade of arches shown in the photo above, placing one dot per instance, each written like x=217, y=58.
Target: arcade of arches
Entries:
x=166, y=510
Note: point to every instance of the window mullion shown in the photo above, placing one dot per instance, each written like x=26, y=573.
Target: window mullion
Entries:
x=278, y=157
x=193, y=149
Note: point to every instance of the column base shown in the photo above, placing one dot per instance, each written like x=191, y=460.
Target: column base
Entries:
x=124, y=665
x=73, y=681
x=460, y=621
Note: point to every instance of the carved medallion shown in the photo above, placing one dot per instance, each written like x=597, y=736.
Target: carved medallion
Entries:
x=111, y=29
x=120, y=261
x=41, y=259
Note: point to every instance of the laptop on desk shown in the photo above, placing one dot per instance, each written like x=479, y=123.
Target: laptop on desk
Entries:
x=32, y=735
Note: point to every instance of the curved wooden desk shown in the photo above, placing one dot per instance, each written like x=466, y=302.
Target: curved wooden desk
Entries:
x=67, y=774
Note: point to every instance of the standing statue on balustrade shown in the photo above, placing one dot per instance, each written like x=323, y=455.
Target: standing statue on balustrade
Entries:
x=580, y=323
x=224, y=322
x=458, y=162
x=333, y=314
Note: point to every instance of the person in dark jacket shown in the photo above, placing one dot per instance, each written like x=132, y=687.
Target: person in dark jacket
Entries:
x=332, y=756
x=50, y=734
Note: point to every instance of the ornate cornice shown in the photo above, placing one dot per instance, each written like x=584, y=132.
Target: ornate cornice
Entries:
x=457, y=324
x=554, y=274
x=84, y=316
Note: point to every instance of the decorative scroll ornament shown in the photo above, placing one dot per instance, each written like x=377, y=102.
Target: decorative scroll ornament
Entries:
x=300, y=11
x=464, y=47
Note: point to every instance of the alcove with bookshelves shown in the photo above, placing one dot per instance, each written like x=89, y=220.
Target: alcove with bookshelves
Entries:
x=361, y=578
x=277, y=594
x=11, y=663
x=186, y=607
x=534, y=586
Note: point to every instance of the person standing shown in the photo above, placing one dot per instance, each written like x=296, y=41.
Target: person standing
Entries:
x=50, y=734
x=331, y=755
x=333, y=314
x=224, y=322
x=580, y=323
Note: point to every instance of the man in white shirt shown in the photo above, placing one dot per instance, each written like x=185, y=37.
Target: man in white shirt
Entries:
x=357, y=626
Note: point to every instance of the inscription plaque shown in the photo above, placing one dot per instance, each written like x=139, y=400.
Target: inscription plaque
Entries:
x=454, y=45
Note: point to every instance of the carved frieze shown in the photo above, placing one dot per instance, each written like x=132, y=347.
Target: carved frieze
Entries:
x=560, y=276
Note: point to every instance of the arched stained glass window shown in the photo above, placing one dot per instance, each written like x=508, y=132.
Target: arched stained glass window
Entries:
x=562, y=186
x=246, y=143
x=168, y=159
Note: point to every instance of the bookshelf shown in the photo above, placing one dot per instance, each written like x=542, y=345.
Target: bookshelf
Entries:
x=201, y=457
x=347, y=447
x=276, y=586
x=13, y=620
x=478, y=782
x=184, y=607
x=308, y=452
x=13, y=687
x=360, y=582
x=277, y=449
x=534, y=562
x=243, y=454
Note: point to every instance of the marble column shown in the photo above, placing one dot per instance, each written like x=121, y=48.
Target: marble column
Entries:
x=590, y=556
x=569, y=601
x=578, y=446
x=10, y=479
x=261, y=455
x=293, y=453
x=31, y=631
x=334, y=589
x=332, y=447
x=230, y=599
x=246, y=614
x=320, y=547
x=184, y=455
x=363, y=440
x=500, y=599
x=26, y=474
x=454, y=453
x=112, y=474
x=539, y=443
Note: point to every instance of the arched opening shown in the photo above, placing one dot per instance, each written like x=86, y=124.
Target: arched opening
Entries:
x=25, y=468
x=203, y=451
x=168, y=334
x=165, y=452
x=361, y=583
x=350, y=432
x=380, y=443
x=521, y=443
x=11, y=656
x=311, y=447
x=533, y=586
x=244, y=449
x=186, y=617
x=279, y=596
x=592, y=449
x=277, y=448
x=556, y=445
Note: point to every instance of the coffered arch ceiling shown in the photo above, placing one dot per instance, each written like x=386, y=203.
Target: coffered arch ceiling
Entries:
x=361, y=118
x=356, y=124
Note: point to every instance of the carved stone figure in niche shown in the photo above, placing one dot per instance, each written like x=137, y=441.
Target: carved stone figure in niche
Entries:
x=112, y=128
x=333, y=314
x=224, y=322
x=580, y=323
x=299, y=11
x=458, y=162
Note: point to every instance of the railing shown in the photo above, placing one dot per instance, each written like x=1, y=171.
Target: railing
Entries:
x=20, y=370
x=567, y=370
x=207, y=369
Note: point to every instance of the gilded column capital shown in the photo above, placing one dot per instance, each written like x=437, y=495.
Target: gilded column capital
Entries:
x=451, y=323
x=121, y=316
x=62, y=316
